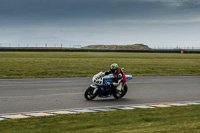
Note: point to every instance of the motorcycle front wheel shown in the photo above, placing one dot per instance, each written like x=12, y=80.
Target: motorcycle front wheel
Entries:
x=89, y=93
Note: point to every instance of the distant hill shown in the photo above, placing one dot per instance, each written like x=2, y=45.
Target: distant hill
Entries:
x=119, y=47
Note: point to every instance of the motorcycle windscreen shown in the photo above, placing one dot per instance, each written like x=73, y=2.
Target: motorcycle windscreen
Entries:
x=109, y=78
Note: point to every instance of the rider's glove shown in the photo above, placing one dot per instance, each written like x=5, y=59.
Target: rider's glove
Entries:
x=106, y=73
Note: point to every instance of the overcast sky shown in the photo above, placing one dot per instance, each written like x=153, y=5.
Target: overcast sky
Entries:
x=156, y=23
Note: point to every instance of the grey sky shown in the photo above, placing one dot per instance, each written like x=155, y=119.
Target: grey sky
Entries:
x=84, y=22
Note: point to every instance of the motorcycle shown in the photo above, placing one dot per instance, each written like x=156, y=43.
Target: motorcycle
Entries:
x=102, y=87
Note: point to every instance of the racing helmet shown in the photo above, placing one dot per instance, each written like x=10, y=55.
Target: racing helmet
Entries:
x=114, y=68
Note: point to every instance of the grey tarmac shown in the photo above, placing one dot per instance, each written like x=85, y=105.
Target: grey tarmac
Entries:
x=27, y=95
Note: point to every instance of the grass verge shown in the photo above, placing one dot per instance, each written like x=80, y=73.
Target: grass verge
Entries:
x=173, y=120
x=86, y=64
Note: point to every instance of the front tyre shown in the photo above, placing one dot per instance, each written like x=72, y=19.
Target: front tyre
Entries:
x=89, y=93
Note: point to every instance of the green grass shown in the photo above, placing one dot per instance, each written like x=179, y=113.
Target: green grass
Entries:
x=86, y=64
x=159, y=120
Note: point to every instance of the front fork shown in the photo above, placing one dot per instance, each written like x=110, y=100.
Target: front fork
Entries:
x=95, y=88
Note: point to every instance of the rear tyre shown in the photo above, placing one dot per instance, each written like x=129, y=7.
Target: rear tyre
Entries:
x=89, y=95
x=119, y=94
x=124, y=91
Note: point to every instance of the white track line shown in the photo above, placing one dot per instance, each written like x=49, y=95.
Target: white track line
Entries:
x=94, y=109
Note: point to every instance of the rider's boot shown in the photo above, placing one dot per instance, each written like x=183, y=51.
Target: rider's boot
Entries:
x=119, y=87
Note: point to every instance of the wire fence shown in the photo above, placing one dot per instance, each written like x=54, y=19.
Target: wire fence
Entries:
x=40, y=45
x=79, y=46
x=178, y=47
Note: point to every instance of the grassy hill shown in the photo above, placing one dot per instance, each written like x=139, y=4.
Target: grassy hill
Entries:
x=119, y=47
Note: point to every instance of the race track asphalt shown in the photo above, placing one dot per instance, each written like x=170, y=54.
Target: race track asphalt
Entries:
x=26, y=95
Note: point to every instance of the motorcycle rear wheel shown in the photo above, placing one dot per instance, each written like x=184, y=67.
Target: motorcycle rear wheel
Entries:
x=120, y=94
x=124, y=90
x=89, y=93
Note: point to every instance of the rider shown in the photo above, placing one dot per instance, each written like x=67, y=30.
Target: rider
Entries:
x=119, y=75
